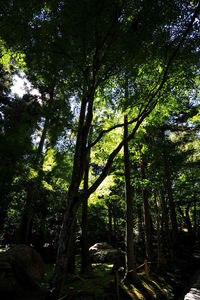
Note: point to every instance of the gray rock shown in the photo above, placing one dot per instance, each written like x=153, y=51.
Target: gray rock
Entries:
x=103, y=252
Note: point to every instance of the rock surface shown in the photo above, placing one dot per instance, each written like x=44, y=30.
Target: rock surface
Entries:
x=194, y=292
x=103, y=252
x=20, y=266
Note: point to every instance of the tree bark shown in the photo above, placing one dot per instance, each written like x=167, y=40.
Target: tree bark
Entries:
x=147, y=216
x=72, y=257
x=130, y=256
x=194, y=198
x=74, y=198
x=172, y=210
x=140, y=222
x=165, y=231
x=25, y=229
x=186, y=218
x=161, y=260
x=110, y=231
x=85, y=248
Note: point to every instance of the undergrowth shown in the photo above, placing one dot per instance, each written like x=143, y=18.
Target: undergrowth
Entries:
x=100, y=283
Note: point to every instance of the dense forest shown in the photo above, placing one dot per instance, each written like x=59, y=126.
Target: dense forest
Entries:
x=99, y=158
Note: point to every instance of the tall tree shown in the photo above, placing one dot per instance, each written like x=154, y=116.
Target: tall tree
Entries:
x=147, y=214
x=130, y=257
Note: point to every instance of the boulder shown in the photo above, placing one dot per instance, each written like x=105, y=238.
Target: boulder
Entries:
x=21, y=265
x=103, y=252
x=8, y=281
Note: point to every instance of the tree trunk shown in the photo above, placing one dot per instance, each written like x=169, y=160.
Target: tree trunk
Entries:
x=173, y=219
x=161, y=260
x=147, y=216
x=130, y=256
x=64, y=242
x=195, y=214
x=110, y=234
x=25, y=229
x=188, y=221
x=194, y=198
x=4, y=203
x=174, y=225
x=114, y=230
x=165, y=231
x=84, y=241
x=72, y=257
x=74, y=198
x=186, y=218
x=140, y=222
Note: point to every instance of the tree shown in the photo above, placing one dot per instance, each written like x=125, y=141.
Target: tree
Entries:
x=18, y=121
x=147, y=215
x=130, y=257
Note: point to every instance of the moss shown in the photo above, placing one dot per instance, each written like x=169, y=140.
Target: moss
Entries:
x=157, y=287
x=49, y=268
x=99, y=281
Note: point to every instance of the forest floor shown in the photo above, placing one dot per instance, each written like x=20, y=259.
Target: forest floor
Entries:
x=174, y=281
x=100, y=283
x=193, y=291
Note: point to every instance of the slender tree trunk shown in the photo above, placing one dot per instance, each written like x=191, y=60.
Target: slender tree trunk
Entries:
x=110, y=234
x=72, y=256
x=147, y=216
x=25, y=229
x=85, y=247
x=130, y=255
x=140, y=222
x=195, y=214
x=165, y=216
x=186, y=218
x=165, y=231
x=195, y=205
x=3, y=212
x=114, y=231
x=161, y=260
x=131, y=274
x=198, y=224
x=41, y=230
x=74, y=198
x=64, y=242
x=172, y=210
x=188, y=221
x=24, y=235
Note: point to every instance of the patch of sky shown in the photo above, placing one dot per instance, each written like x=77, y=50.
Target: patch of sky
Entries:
x=36, y=136
x=66, y=141
x=21, y=86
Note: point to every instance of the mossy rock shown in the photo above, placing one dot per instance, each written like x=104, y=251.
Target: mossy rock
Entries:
x=20, y=266
x=103, y=252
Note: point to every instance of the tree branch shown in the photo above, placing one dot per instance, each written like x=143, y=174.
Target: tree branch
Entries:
x=110, y=129
x=143, y=115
